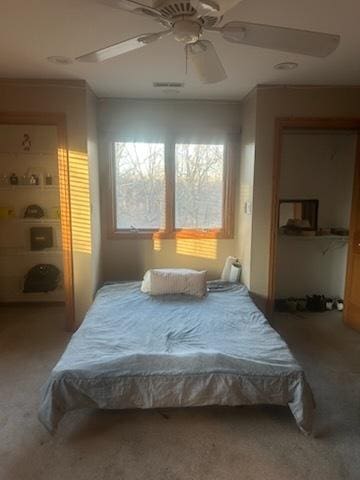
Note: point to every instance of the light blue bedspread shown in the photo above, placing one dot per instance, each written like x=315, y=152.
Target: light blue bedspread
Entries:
x=138, y=351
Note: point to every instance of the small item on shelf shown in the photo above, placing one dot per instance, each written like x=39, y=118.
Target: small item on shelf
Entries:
x=26, y=143
x=34, y=179
x=4, y=179
x=7, y=212
x=41, y=238
x=14, y=180
x=34, y=211
x=295, y=226
x=43, y=277
x=24, y=180
x=48, y=179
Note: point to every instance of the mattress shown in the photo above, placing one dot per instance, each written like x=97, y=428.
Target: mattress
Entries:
x=138, y=351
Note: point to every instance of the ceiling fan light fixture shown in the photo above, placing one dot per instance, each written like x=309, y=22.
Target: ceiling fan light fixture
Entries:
x=286, y=66
x=186, y=31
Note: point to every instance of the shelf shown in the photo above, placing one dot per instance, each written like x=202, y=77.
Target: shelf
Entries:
x=343, y=238
x=8, y=252
x=57, y=295
x=31, y=220
x=10, y=188
x=31, y=154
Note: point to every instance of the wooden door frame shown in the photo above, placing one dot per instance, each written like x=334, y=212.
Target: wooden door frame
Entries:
x=290, y=123
x=57, y=120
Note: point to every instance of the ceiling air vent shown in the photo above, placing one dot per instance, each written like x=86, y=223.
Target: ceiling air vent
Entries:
x=168, y=84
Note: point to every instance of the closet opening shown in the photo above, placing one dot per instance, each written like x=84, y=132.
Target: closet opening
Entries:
x=314, y=220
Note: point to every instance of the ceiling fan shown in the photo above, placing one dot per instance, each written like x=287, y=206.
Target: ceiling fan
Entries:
x=188, y=20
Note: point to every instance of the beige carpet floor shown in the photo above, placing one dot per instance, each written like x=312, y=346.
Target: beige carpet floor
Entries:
x=189, y=444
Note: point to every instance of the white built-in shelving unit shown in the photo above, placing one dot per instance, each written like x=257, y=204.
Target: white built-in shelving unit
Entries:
x=16, y=255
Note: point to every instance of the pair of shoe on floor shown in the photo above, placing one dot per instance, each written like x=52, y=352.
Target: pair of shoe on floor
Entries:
x=314, y=303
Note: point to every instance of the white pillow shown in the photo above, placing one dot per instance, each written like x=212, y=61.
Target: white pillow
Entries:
x=174, y=280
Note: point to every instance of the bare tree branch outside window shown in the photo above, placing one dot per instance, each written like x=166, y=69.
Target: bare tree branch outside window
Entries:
x=140, y=185
x=199, y=186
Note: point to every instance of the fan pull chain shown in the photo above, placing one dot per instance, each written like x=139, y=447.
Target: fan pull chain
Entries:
x=186, y=59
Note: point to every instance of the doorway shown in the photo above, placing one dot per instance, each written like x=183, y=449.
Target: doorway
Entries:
x=35, y=239
x=312, y=249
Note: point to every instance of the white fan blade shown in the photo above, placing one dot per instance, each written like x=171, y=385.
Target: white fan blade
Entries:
x=122, y=47
x=223, y=7
x=136, y=7
x=291, y=40
x=206, y=62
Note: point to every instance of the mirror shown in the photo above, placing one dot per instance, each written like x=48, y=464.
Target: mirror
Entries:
x=303, y=213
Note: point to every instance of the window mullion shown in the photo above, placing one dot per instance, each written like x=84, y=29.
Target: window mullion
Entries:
x=170, y=186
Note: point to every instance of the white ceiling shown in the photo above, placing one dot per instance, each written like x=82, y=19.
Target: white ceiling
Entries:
x=32, y=30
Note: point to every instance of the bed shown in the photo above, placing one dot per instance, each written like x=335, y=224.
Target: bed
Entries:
x=134, y=350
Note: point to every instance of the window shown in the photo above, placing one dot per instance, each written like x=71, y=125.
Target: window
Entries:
x=172, y=189
x=199, y=185
x=139, y=186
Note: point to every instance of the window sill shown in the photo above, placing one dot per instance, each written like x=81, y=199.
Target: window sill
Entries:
x=164, y=235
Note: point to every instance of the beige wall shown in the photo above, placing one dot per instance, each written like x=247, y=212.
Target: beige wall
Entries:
x=274, y=102
x=245, y=186
x=129, y=259
x=68, y=97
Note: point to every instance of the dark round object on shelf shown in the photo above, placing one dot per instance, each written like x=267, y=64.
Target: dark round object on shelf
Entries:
x=34, y=211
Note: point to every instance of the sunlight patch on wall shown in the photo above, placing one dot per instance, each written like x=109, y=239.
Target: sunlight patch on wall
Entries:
x=80, y=201
x=197, y=247
x=157, y=244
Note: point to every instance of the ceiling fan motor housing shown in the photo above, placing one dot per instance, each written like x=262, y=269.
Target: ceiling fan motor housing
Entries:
x=186, y=31
x=174, y=10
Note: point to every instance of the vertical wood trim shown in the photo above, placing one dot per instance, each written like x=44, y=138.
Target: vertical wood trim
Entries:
x=111, y=192
x=354, y=227
x=59, y=121
x=229, y=188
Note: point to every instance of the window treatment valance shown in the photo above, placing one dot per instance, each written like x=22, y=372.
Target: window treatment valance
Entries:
x=158, y=134
x=156, y=121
